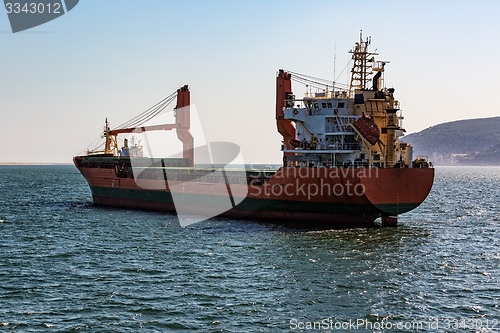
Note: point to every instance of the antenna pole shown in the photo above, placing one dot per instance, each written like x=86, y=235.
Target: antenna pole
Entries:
x=334, y=66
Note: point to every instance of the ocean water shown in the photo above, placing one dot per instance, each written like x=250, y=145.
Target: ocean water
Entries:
x=66, y=265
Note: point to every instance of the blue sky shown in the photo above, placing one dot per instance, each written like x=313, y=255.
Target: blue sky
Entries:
x=115, y=58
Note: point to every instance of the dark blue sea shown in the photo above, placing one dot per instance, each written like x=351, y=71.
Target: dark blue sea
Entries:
x=68, y=266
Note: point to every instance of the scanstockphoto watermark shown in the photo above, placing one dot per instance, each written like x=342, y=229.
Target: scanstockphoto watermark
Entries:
x=26, y=14
x=386, y=324
x=312, y=183
x=298, y=188
x=321, y=172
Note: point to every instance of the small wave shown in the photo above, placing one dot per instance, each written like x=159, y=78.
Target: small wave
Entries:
x=64, y=204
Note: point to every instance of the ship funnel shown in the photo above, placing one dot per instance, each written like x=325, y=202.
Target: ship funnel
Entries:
x=183, y=123
x=376, y=80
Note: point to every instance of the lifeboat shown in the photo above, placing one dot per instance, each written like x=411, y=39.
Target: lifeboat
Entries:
x=368, y=129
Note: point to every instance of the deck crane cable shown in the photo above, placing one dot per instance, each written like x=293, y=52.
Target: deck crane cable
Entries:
x=314, y=81
x=98, y=147
x=138, y=120
x=317, y=79
x=348, y=63
x=94, y=144
x=316, y=84
x=149, y=113
x=153, y=113
x=309, y=83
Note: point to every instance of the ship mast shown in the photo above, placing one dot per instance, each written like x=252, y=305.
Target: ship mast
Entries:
x=361, y=71
x=111, y=145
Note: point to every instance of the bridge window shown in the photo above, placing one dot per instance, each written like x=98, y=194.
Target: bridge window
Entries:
x=329, y=105
x=341, y=105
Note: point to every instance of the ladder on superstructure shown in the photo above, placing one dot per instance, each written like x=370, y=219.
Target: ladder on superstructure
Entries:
x=361, y=70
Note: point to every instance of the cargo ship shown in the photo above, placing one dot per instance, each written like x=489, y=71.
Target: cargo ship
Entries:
x=343, y=161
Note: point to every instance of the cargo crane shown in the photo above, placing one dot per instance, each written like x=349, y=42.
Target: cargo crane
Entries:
x=182, y=125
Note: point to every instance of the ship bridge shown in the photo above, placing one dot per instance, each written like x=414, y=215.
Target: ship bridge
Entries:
x=342, y=126
x=323, y=131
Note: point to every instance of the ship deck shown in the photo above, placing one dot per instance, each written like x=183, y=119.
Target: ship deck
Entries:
x=175, y=169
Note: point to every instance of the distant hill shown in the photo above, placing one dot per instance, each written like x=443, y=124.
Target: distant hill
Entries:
x=463, y=142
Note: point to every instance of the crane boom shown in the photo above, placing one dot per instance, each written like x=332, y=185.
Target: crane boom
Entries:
x=163, y=127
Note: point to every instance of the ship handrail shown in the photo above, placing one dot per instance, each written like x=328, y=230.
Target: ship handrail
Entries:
x=337, y=129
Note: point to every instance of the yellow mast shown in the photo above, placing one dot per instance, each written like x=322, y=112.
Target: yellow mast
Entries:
x=111, y=145
x=360, y=71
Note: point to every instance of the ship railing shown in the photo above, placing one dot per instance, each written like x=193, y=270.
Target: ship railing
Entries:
x=351, y=146
x=326, y=94
x=344, y=146
x=318, y=148
x=338, y=128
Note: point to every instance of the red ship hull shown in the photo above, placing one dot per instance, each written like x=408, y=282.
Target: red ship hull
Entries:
x=332, y=196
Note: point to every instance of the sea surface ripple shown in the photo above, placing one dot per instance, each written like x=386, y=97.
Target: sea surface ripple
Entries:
x=66, y=265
